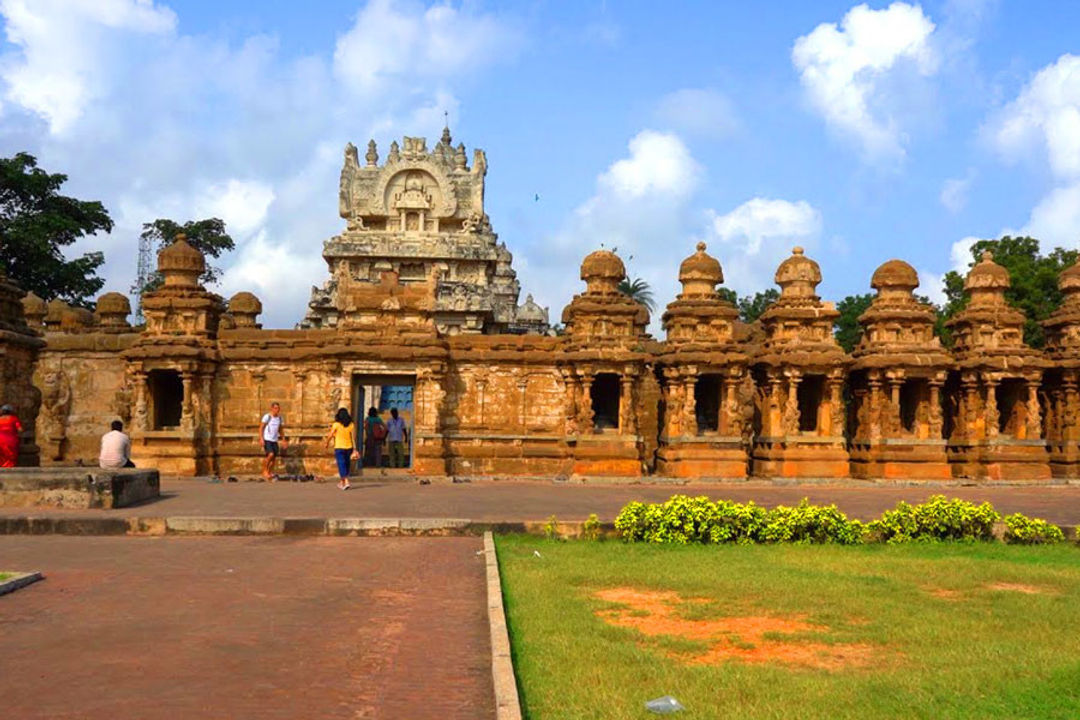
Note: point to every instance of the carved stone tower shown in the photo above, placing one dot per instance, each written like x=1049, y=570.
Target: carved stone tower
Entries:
x=421, y=216
x=998, y=431
x=800, y=373
x=707, y=390
x=897, y=383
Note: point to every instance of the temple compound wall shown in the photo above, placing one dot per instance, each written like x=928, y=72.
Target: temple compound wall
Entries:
x=422, y=302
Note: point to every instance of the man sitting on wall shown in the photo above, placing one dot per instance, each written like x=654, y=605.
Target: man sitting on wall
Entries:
x=115, y=448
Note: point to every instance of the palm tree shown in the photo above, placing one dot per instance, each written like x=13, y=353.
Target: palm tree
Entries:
x=639, y=291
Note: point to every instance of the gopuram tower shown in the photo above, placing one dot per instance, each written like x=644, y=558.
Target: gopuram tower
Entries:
x=420, y=215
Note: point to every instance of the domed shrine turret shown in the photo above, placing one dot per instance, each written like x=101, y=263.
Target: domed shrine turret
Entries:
x=801, y=368
x=1062, y=378
x=998, y=429
x=897, y=378
x=705, y=390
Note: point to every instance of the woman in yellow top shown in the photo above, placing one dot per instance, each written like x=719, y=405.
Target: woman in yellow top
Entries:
x=342, y=433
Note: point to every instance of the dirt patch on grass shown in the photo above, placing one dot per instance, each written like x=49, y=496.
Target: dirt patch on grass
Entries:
x=943, y=593
x=1019, y=587
x=749, y=638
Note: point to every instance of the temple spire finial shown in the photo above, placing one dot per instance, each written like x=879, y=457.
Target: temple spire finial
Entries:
x=446, y=139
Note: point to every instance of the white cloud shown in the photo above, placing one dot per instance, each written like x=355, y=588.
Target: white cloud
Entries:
x=639, y=207
x=844, y=70
x=698, y=111
x=960, y=254
x=1045, y=115
x=1055, y=221
x=241, y=204
x=932, y=285
x=752, y=239
x=954, y=192
x=1044, y=119
x=59, y=44
x=155, y=123
x=391, y=40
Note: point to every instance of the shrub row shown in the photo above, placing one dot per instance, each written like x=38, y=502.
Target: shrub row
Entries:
x=684, y=520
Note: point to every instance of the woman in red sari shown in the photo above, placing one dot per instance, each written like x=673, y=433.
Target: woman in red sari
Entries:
x=10, y=427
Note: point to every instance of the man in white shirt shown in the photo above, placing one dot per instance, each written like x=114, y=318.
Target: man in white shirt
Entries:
x=115, y=448
x=272, y=437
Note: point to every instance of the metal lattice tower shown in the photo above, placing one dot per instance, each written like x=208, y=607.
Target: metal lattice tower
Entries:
x=143, y=274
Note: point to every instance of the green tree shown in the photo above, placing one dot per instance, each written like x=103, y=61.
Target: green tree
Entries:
x=729, y=295
x=847, y=328
x=638, y=290
x=1034, y=279
x=208, y=236
x=36, y=221
x=751, y=307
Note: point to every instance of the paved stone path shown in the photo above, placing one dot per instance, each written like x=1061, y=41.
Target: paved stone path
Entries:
x=245, y=628
x=515, y=501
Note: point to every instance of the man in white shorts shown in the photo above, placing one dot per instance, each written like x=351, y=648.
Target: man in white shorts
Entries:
x=272, y=437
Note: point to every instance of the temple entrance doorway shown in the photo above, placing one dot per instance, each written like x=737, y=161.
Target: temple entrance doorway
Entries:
x=384, y=393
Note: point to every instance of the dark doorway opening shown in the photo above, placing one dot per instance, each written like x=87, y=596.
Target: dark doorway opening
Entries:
x=707, y=403
x=810, y=394
x=604, y=394
x=167, y=398
x=384, y=393
x=911, y=395
x=1010, y=396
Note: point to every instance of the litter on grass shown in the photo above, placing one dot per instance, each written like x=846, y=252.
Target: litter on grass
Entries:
x=664, y=705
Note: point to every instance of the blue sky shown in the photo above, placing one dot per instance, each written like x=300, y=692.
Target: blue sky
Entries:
x=862, y=132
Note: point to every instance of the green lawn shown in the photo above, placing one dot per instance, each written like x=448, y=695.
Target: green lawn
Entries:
x=933, y=638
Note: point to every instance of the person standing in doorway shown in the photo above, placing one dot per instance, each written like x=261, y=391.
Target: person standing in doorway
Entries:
x=397, y=436
x=10, y=427
x=342, y=433
x=272, y=437
x=373, y=438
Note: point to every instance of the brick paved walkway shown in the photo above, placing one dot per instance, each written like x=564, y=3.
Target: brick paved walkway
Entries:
x=514, y=501
x=245, y=628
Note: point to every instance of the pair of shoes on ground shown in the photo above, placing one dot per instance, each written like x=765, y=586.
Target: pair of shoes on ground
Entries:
x=343, y=486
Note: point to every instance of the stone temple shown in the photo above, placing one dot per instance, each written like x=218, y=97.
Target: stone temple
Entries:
x=421, y=313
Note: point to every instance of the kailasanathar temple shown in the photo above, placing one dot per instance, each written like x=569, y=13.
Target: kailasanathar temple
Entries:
x=421, y=313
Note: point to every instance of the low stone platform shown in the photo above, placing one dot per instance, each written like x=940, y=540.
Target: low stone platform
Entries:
x=77, y=487
x=395, y=508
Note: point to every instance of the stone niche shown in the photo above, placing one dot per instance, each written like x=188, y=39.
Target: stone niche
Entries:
x=707, y=391
x=898, y=376
x=799, y=372
x=996, y=423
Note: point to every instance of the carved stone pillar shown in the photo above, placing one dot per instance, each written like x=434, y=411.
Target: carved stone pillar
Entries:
x=690, y=426
x=969, y=407
x=627, y=406
x=935, y=419
x=673, y=403
x=301, y=380
x=993, y=416
x=1034, y=412
x=874, y=416
x=187, y=406
x=587, y=414
x=775, y=409
x=893, y=422
x=258, y=376
x=731, y=417
x=791, y=405
x=1069, y=411
x=142, y=411
x=570, y=403
x=836, y=404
